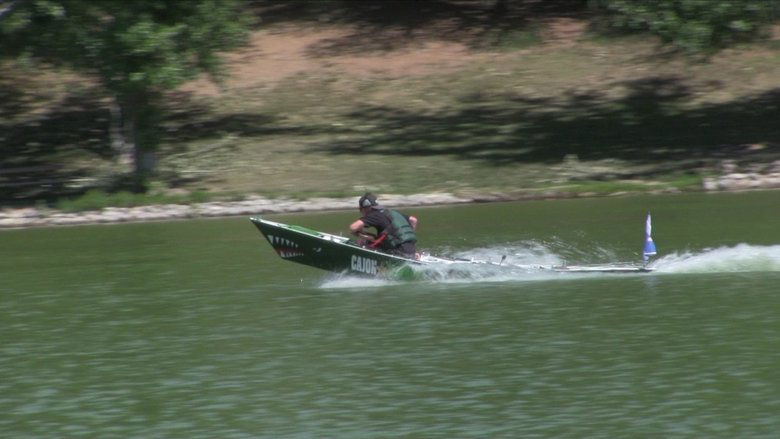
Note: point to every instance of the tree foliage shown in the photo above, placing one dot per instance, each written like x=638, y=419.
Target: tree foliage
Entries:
x=695, y=26
x=136, y=49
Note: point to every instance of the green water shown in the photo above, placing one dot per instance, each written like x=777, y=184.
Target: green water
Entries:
x=198, y=330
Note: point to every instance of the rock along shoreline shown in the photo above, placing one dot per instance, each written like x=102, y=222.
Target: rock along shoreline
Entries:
x=35, y=217
x=730, y=181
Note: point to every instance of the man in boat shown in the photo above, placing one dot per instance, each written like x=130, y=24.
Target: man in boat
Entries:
x=395, y=231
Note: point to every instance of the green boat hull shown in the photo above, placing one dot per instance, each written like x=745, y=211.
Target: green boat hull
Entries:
x=331, y=252
x=342, y=255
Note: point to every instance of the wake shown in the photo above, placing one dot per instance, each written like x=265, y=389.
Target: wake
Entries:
x=736, y=259
x=522, y=261
x=531, y=260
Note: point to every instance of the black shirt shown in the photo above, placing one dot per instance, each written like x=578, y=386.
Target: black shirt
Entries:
x=378, y=219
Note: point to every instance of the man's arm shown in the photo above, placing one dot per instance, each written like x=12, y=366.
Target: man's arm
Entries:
x=413, y=222
x=357, y=227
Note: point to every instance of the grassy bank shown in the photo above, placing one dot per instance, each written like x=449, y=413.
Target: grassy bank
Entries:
x=530, y=120
x=308, y=113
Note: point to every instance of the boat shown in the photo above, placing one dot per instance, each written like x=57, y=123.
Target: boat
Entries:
x=340, y=254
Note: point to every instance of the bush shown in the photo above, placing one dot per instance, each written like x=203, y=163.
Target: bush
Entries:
x=694, y=26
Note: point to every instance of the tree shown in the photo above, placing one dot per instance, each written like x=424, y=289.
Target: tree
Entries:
x=695, y=26
x=136, y=49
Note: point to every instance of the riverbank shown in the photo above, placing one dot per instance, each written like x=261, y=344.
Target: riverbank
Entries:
x=256, y=205
x=566, y=116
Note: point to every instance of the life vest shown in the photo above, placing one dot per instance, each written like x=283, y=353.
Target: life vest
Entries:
x=398, y=232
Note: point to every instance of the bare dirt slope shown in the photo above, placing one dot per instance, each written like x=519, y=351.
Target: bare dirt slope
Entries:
x=280, y=53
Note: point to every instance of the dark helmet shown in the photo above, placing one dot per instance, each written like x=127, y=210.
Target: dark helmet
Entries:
x=367, y=200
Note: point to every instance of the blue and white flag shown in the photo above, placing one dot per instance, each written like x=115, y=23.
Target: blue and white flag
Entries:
x=649, y=244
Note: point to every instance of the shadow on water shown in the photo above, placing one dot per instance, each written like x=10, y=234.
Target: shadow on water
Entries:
x=649, y=125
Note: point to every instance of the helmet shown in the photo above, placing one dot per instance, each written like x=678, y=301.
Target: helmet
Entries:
x=367, y=200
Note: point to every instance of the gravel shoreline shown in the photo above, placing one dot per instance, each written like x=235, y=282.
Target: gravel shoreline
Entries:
x=34, y=217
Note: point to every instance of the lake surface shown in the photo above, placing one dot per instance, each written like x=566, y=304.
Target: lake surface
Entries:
x=197, y=329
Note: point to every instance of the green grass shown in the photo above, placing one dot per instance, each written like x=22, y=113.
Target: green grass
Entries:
x=686, y=182
x=97, y=199
x=518, y=39
x=607, y=187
